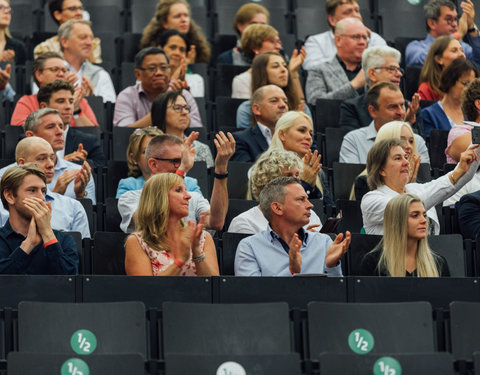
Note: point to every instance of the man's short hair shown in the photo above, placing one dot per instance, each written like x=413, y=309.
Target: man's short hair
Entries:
x=65, y=29
x=259, y=94
x=158, y=142
x=34, y=119
x=374, y=93
x=274, y=191
x=39, y=62
x=374, y=57
x=140, y=56
x=469, y=96
x=55, y=6
x=13, y=178
x=433, y=9
x=46, y=91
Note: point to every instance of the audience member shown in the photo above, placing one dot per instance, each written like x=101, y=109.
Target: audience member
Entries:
x=285, y=248
x=138, y=170
x=176, y=45
x=176, y=156
x=248, y=14
x=46, y=68
x=268, y=104
x=162, y=245
x=404, y=250
x=270, y=165
x=342, y=77
x=441, y=19
x=76, y=38
x=321, y=47
x=152, y=70
x=271, y=68
x=447, y=112
x=388, y=174
x=294, y=132
x=256, y=41
x=468, y=212
x=171, y=114
x=175, y=14
x=11, y=49
x=385, y=103
x=67, y=214
x=70, y=179
x=78, y=144
x=28, y=244
x=378, y=64
x=443, y=51
x=61, y=12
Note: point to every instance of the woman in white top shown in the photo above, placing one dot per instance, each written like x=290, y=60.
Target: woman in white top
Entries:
x=388, y=172
x=269, y=165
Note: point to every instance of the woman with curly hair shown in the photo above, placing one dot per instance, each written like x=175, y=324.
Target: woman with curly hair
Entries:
x=175, y=14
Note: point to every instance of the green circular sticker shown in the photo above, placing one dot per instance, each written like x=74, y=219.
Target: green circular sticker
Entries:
x=83, y=342
x=75, y=366
x=387, y=366
x=361, y=341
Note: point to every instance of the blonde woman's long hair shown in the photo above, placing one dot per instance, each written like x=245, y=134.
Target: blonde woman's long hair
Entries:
x=283, y=124
x=154, y=208
x=394, y=242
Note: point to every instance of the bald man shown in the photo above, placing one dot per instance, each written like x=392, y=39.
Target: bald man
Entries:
x=67, y=213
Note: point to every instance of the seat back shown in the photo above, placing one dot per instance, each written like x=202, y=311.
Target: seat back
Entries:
x=237, y=183
x=327, y=114
x=224, y=78
x=437, y=146
x=108, y=254
x=360, y=245
x=226, y=112
x=450, y=246
x=230, y=243
x=464, y=329
x=236, y=207
x=343, y=178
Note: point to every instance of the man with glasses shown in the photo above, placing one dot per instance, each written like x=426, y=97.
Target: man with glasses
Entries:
x=76, y=40
x=62, y=11
x=341, y=77
x=441, y=18
x=378, y=64
x=47, y=68
x=321, y=47
x=152, y=71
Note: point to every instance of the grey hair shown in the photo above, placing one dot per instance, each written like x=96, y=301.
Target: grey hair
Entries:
x=343, y=24
x=65, y=29
x=159, y=141
x=270, y=165
x=34, y=119
x=432, y=9
x=274, y=191
x=375, y=56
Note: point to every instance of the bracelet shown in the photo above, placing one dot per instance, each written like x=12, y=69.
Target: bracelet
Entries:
x=453, y=179
x=51, y=242
x=220, y=176
x=293, y=273
x=200, y=258
x=456, y=35
x=178, y=263
x=180, y=173
x=474, y=28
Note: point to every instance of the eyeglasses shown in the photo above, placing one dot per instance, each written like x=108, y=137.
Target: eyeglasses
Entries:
x=451, y=20
x=273, y=41
x=176, y=162
x=358, y=37
x=5, y=9
x=179, y=108
x=465, y=83
x=73, y=9
x=391, y=69
x=56, y=69
x=153, y=69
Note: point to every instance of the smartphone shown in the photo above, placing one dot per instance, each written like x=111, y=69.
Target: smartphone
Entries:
x=476, y=135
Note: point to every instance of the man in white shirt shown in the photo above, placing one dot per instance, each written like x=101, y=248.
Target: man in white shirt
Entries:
x=321, y=47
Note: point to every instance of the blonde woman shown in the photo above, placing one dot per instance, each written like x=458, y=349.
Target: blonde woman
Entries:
x=397, y=130
x=294, y=132
x=162, y=245
x=269, y=165
x=403, y=250
x=138, y=170
x=11, y=49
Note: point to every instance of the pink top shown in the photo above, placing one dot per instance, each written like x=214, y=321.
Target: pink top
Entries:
x=453, y=134
x=426, y=92
x=29, y=103
x=161, y=259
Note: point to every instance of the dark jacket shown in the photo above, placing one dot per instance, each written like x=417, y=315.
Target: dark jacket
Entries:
x=468, y=210
x=90, y=143
x=250, y=144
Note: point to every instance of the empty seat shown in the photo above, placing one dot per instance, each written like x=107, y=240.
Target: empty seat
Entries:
x=237, y=183
x=450, y=246
x=464, y=329
x=120, y=140
x=226, y=112
x=343, y=177
x=390, y=11
x=360, y=245
x=327, y=114
x=227, y=329
x=11, y=136
x=437, y=146
x=224, y=77
x=333, y=143
x=236, y=207
x=370, y=328
x=229, y=248
x=352, y=219
x=112, y=217
x=86, y=328
x=116, y=170
x=108, y=254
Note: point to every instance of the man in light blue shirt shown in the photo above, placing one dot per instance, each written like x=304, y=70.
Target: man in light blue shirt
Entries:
x=67, y=214
x=285, y=248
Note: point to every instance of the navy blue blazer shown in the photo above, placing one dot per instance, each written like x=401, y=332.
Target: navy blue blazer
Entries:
x=468, y=210
x=434, y=117
x=250, y=144
x=90, y=143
